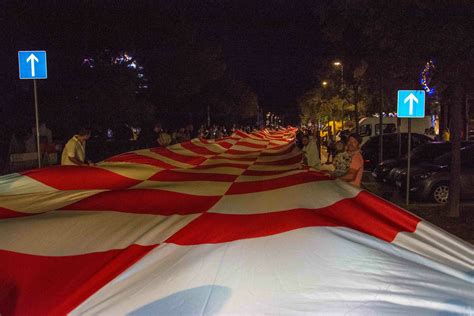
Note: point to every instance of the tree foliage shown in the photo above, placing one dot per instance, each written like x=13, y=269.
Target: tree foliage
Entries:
x=397, y=39
x=111, y=87
x=338, y=99
x=190, y=74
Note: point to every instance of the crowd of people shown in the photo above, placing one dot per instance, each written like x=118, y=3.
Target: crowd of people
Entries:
x=343, y=156
x=104, y=144
x=347, y=162
x=344, y=159
x=160, y=136
x=110, y=142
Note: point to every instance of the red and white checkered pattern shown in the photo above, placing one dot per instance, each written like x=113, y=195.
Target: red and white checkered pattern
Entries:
x=236, y=225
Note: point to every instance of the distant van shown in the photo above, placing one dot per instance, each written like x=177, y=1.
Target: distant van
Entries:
x=370, y=126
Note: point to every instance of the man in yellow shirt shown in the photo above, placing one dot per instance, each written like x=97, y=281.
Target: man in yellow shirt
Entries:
x=74, y=152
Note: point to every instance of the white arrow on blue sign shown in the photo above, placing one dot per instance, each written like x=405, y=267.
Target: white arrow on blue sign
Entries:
x=411, y=104
x=32, y=64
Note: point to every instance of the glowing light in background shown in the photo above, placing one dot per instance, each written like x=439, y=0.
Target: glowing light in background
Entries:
x=124, y=59
x=88, y=62
x=426, y=76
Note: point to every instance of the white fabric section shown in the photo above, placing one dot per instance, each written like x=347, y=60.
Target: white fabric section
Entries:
x=132, y=171
x=274, y=151
x=44, y=202
x=275, y=167
x=15, y=182
x=317, y=270
x=244, y=178
x=203, y=188
x=289, y=155
x=219, y=170
x=311, y=195
x=211, y=147
x=246, y=148
x=223, y=160
x=251, y=155
x=256, y=140
x=164, y=159
x=432, y=242
x=276, y=142
x=178, y=149
x=66, y=233
x=284, y=138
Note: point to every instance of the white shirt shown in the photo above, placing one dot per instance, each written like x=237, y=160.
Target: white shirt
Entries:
x=311, y=153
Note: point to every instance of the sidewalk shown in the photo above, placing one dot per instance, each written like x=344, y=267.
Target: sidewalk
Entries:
x=462, y=227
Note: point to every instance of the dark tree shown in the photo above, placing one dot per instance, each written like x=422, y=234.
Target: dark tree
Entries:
x=398, y=38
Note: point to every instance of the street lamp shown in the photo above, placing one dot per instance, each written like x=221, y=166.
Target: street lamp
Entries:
x=324, y=83
x=339, y=64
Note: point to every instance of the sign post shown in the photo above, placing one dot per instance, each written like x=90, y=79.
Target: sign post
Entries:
x=32, y=65
x=37, y=124
x=407, y=197
x=411, y=104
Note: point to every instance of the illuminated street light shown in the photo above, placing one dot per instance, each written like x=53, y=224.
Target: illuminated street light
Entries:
x=339, y=64
x=324, y=83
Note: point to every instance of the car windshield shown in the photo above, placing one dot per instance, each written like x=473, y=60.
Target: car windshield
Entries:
x=467, y=157
x=429, y=151
x=443, y=160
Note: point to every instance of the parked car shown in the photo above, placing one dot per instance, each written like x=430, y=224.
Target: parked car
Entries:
x=370, y=150
x=430, y=181
x=388, y=170
x=370, y=126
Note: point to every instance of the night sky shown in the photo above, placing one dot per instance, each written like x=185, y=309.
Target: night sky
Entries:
x=276, y=47
x=273, y=46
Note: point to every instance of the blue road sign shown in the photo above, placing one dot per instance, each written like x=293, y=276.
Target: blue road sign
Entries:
x=32, y=64
x=411, y=104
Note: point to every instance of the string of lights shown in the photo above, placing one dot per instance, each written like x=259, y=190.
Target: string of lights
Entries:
x=426, y=76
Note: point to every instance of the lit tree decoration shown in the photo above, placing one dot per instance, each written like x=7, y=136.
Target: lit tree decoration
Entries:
x=88, y=62
x=426, y=76
x=124, y=59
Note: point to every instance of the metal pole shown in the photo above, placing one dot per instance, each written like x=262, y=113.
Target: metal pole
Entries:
x=399, y=137
x=381, y=123
x=408, y=163
x=356, y=106
x=342, y=91
x=381, y=130
x=342, y=117
x=466, y=135
x=208, y=116
x=37, y=125
x=342, y=76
